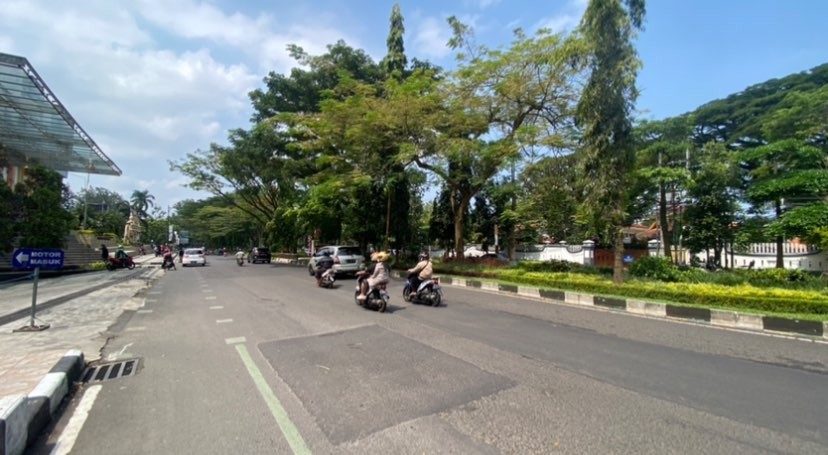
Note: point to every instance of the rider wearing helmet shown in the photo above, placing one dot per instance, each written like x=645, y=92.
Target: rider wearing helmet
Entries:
x=324, y=266
x=421, y=272
x=380, y=275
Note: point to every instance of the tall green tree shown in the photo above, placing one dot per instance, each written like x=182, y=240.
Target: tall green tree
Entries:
x=662, y=161
x=497, y=103
x=552, y=187
x=104, y=211
x=712, y=210
x=9, y=213
x=141, y=201
x=604, y=113
x=790, y=176
x=43, y=219
x=395, y=61
x=397, y=186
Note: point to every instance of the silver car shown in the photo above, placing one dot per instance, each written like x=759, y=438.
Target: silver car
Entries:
x=347, y=259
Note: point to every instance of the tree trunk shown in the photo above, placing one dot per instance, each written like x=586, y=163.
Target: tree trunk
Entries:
x=663, y=222
x=618, y=260
x=387, y=219
x=780, y=257
x=459, y=224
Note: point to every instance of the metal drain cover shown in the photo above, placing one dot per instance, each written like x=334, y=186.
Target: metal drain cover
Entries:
x=110, y=370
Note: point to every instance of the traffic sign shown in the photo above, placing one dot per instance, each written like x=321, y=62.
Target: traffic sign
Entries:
x=30, y=258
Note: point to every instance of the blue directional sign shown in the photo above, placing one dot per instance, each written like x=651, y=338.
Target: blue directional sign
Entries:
x=29, y=258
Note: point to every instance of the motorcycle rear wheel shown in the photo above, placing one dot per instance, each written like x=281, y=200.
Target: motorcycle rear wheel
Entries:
x=436, y=299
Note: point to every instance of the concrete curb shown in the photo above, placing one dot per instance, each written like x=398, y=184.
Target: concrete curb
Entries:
x=813, y=330
x=22, y=418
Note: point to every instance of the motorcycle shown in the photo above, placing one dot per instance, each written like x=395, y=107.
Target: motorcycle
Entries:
x=168, y=262
x=325, y=280
x=240, y=261
x=428, y=292
x=115, y=263
x=377, y=298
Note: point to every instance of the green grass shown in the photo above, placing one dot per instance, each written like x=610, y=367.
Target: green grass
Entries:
x=805, y=301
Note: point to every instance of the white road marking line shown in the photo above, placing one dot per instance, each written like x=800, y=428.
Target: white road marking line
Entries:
x=292, y=435
x=217, y=307
x=223, y=321
x=206, y=290
x=70, y=434
x=236, y=340
x=144, y=311
x=151, y=300
x=210, y=297
x=135, y=329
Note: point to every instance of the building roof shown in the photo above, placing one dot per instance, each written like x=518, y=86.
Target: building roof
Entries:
x=35, y=126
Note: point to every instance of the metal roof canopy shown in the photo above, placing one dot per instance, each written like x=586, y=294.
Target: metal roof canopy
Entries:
x=34, y=125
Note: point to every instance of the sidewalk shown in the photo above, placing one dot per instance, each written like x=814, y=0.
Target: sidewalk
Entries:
x=37, y=368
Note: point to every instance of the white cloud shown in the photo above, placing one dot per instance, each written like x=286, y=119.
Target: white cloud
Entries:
x=147, y=97
x=566, y=19
x=483, y=4
x=431, y=36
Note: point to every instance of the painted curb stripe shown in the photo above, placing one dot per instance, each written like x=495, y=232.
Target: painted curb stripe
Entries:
x=719, y=318
x=292, y=435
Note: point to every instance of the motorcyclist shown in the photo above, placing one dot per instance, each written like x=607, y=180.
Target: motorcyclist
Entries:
x=121, y=254
x=380, y=275
x=240, y=256
x=324, y=266
x=169, y=262
x=420, y=272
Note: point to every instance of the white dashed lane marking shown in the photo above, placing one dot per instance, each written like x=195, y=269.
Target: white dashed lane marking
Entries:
x=217, y=307
x=223, y=321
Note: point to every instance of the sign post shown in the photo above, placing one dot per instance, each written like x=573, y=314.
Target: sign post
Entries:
x=27, y=258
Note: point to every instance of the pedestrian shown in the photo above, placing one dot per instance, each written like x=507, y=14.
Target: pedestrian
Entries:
x=104, y=253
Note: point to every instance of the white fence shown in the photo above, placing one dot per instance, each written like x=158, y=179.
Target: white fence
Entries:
x=762, y=255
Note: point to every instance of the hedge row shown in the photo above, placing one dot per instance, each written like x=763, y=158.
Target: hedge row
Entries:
x=775, y=300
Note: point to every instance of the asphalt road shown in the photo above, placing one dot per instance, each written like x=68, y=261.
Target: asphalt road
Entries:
x=256, y=359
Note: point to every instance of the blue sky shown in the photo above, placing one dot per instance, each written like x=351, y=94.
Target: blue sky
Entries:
x=151, y=80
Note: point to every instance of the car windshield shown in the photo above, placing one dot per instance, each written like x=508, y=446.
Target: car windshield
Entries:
x=348, y=251
x=193, y=252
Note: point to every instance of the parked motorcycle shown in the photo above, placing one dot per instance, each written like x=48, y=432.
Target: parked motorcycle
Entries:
x=377, y=298
x=428, y=292
x=115, y=263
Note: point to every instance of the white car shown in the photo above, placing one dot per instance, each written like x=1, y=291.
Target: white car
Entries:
x=194, y=256
x=347, y=259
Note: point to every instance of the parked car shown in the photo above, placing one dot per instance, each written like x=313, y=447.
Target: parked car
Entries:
x=193, y=256
x=347, y=259
x=259, y=254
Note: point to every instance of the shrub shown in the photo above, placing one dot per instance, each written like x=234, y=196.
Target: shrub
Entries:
x=655, y=268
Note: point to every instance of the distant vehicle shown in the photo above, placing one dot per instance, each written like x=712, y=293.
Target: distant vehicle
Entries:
x=259, y=254
x=347, y=259
x=194, y=256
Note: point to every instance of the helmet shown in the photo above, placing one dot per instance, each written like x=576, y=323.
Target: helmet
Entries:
x=423, y=256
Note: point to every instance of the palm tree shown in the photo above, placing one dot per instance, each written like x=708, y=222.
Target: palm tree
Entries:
x=141, y=201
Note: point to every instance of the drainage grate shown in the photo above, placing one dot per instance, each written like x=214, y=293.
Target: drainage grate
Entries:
x=112, y=370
